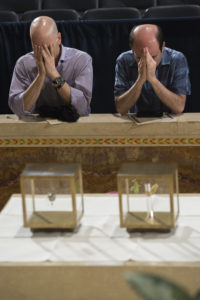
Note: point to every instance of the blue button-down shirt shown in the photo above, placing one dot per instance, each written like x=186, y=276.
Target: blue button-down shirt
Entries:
x=172, y=72
x=74, y=66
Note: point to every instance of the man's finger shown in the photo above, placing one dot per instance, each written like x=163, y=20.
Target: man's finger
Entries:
x=51, y=49
x=35, y=50
x=46, y=50
x=145, y=50
x=148, y=55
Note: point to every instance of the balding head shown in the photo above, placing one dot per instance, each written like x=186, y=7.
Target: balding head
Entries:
x=146, y=36
x=42, y=29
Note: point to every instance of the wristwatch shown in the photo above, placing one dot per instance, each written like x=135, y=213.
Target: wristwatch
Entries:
x=58, y=82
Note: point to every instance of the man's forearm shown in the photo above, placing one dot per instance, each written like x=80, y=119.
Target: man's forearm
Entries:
x=65, y=93
x=173, y=101
x=128, y=99
x=32, y=93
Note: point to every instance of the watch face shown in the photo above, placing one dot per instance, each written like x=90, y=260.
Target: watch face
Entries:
x=59, y=81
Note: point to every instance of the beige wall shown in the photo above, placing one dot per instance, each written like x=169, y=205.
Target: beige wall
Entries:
x=62, y=281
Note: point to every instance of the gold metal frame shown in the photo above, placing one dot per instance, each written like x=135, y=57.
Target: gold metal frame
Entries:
x=137, y=220
x=53, y=219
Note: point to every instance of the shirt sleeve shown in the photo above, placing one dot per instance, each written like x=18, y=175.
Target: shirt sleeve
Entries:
x=20, y=82
x=180, y=82
x=81, y=91
x=121, y=77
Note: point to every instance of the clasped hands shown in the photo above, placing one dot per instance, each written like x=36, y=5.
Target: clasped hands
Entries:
x=45, y=60
x=146, y=67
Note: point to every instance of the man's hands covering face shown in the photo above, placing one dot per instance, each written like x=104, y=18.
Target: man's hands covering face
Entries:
x=39, y=60
x=146, y=67
x=45, y=60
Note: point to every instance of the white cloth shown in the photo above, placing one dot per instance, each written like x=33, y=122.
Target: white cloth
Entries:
x=100, y=240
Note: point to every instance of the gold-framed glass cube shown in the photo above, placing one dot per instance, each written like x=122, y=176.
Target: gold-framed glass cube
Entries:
x=148, y=196
x=52, y=195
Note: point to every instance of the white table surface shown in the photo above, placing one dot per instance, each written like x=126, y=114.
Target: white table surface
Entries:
x=100, y=240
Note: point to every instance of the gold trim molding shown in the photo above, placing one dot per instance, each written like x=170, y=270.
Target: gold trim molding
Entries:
x=42, y=142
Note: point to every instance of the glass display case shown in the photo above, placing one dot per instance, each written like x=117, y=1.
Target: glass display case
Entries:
x=148, y=196
x=52, y=195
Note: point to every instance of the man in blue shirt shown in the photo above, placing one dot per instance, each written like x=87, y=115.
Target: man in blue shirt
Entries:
x=150, y=77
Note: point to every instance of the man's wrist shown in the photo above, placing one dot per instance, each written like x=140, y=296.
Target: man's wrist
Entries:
x=153, y=80
x=141, y=80
x=58, y=82
x=41, y=76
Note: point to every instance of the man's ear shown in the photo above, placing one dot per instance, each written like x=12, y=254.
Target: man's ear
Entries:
x=163, y=46
x=59, y=38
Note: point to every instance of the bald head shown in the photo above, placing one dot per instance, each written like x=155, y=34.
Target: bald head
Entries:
x=43, y=28
x=147, y=36
x=43, y=31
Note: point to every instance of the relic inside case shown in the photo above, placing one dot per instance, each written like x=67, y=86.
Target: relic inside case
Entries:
x=52, y=195
x=148, y=196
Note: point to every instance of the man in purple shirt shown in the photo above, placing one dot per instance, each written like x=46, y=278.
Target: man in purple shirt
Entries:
x=50, y=75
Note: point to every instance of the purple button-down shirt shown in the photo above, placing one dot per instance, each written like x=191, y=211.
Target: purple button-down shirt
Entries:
x=74, y=66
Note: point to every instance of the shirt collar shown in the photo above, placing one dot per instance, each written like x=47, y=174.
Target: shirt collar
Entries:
x=165, y=58
x=133, y=61
x=63, y=52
